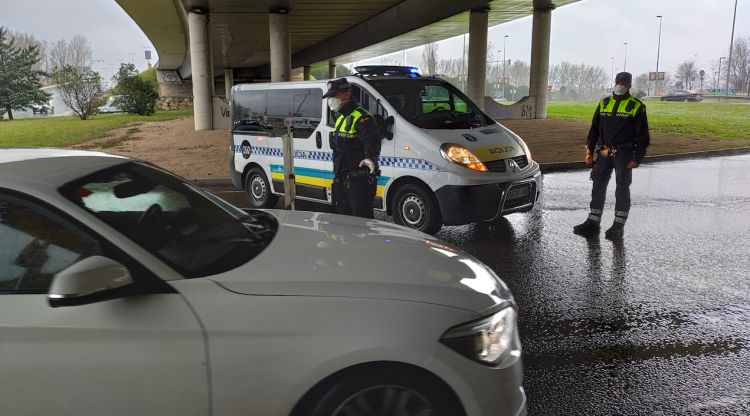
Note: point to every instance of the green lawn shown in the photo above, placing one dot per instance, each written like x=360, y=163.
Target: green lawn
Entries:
x=706, y=119
x=65, y=131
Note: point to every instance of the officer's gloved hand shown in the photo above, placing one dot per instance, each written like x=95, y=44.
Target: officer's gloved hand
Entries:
x=369, y=164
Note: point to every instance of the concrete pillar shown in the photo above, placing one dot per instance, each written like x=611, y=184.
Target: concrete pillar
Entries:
x=539, y=77
x=477, y=68
x=200, y=64
x=331, y=70
x=306, y=73
x=228, y=82
x=281, y=45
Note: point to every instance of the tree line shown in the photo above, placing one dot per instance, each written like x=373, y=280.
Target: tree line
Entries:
x=27, y=64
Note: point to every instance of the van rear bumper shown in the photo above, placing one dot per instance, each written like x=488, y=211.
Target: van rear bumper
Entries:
x=236, y=176
x=464, y=204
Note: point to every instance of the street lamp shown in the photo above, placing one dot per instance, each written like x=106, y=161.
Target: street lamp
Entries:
x=658, y=49
x=731, y=44
x=505, y=40
x=625, y=64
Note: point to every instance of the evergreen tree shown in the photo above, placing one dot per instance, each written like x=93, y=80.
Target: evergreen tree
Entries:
x=134, y=94
x=19, y=82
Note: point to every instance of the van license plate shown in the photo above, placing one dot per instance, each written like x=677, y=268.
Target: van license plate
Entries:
x=518, y=192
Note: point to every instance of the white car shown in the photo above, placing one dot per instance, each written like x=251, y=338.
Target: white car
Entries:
x=109, y=106
x=129, y=291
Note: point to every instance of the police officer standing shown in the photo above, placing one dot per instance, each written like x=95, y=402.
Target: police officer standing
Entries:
x=617, y=142
x=356, y=148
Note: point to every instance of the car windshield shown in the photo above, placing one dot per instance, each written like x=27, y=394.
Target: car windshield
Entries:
x=194, y=232
x=431, y=103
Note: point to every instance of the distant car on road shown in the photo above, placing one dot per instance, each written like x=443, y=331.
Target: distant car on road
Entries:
x=127, y=288
x=43, y=109
x=109, y=106
x=682, y=95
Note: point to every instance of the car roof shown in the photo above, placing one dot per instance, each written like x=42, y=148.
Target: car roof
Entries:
x=49, y=167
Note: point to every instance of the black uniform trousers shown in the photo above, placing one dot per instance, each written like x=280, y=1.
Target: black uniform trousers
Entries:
x=601, y=174
x=354, y=195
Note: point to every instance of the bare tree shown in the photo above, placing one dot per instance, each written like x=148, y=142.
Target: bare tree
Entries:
x=739, y=73
x=75, y=53
x=80, y=91
x=518, y=73
x=578, y=82
x=686, y=71
x=25, y=40
x=430, y=58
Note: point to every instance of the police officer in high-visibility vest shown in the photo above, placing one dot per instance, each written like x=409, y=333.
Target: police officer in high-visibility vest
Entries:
x=617, y=142
x=356, y=148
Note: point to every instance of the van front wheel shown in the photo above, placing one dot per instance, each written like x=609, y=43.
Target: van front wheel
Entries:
x=258, y=190
x=415, y=207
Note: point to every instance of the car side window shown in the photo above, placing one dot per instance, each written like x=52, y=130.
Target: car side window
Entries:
x=35, y=244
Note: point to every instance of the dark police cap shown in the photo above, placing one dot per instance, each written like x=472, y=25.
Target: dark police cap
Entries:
x=624, y=78
x=336, y=86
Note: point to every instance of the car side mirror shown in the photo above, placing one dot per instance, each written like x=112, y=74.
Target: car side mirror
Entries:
x=93, y=279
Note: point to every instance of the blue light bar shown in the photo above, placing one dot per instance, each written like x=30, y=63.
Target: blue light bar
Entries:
x=386, y=70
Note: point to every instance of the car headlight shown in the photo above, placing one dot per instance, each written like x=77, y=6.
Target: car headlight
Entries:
x=461, y=155
x=488, y=341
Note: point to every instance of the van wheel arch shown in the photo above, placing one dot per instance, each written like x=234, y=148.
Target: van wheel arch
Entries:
x=312, y=398
x=247, y=168
x=398, y=183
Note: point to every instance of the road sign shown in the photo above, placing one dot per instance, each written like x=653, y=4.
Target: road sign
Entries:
x=653, y=76
x=148, y=55
x=549, y=88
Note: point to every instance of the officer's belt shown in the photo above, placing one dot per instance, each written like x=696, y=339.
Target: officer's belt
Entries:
x=357, y=173
x=621, y=146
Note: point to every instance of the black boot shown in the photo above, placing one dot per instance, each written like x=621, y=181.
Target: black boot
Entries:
x=615, y=231
x=587, y=228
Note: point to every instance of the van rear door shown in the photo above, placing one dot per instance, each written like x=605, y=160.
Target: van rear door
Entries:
x=300, y=109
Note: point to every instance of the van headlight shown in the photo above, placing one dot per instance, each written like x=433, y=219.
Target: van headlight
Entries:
x=488, y=341
x=461, y=155
x=525, y=148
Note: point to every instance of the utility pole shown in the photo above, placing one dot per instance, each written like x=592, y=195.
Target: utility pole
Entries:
x=504, y=63
x=625, y=63
x=463, y=63
x=658, y=50
x=731, y=45
x=613, y=71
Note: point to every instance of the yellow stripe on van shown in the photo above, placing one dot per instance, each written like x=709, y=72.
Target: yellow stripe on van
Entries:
x=323, y=183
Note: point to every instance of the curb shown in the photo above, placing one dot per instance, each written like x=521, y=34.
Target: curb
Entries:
x=565, y=166
x=545, y=167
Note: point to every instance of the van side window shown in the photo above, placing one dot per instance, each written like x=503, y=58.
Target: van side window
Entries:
x=249, y=111
x=365, y=100
x=300, y=108
x=368, y=102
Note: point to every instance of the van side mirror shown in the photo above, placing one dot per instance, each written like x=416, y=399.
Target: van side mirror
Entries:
x=93, y=279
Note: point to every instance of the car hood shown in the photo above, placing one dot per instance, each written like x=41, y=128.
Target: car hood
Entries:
x=317, y=254
x=488, y=143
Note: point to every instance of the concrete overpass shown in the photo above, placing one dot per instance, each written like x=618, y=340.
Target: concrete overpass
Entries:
x=208, y=45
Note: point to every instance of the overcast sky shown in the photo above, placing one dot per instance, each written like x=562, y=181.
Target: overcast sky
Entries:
x=589, y=31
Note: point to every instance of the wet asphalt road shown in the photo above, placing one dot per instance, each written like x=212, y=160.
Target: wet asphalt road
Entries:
x=655, y=324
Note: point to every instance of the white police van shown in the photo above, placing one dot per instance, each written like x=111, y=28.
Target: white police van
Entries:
x=443, y=161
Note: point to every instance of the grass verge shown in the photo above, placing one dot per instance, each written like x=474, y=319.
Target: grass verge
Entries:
x=710, y=120
x=66, y=131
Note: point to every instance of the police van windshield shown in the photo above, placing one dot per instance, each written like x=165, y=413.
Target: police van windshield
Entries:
x=431, y=103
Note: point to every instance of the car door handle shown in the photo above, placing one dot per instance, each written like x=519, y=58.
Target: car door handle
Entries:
x=318, y=140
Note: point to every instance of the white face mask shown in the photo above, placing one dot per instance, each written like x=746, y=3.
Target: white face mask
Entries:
x=620, y=89
x=334, y=103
